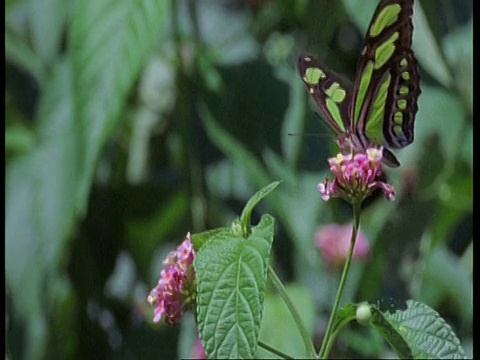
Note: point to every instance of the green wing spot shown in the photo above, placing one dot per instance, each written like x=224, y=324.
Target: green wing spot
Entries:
x=362, y=89
x=385, y=51
x=397, y=129
x=402, y=104
x=313, y=75
x=398, y=117
x=403, y=90
x=335, y=113
x=336, y=92
x=387, y=16
x=373, y=128
x=405, y=75
x=403, y=62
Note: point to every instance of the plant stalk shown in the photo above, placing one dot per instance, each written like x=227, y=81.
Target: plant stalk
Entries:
x=324, y=350
x=309, y=348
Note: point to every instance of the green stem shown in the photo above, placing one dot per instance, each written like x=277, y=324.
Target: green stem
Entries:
x=273, y=350
x=334, y=334
x=309, y=348
x=324, y=350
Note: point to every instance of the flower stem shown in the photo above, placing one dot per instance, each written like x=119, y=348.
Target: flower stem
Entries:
x=324, y=350
x=309, y=348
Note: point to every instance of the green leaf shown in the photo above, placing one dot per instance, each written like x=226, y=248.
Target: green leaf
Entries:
x=201, y=238
x=110, y=41
x=415, y=330
x=254, y=200
x=345, y=315
x=231, y=277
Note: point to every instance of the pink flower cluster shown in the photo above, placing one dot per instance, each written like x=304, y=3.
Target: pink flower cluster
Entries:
x=176, y=288
x=356, y=176
x=333, y=241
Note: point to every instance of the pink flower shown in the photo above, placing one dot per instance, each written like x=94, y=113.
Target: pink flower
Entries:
x=333, y=241
x=355, y=176
x=175, y=290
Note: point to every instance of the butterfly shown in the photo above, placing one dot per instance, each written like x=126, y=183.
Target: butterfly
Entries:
x=380, y=107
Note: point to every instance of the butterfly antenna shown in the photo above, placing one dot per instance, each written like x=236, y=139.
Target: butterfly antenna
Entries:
x=300, y=134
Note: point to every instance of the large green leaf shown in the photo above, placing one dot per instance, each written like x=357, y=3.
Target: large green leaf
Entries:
x=231, y=277
x=109, y=42
x=77, y=111
x=416, y=331
x=46, y=22
x=39, y=211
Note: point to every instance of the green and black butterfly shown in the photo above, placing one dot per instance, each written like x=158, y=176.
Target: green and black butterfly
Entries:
x=380, y=108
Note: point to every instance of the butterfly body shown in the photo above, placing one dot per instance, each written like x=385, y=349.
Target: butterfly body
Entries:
x=379, y=108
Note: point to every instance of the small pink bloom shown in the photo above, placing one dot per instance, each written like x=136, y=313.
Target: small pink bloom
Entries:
x=333, y=241
x=176, y=287
x=355, y=176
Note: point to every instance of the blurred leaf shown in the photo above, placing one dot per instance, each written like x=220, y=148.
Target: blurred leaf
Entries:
x=456, y=201
x=18, y=139
x=278, y=329
x=233, y=149
x=224, y=31
x=188, y=336
x=231, y=275
x=417, y=331
x=440, y=113
x=445, y=280
x=294, y=120
x=144, y=235
x=299, y=209
x=109, y=42
x=47, y=19
x=427, y=50
x=360, y=12
x=19, y=52
x=39, y=210
x=228, y=179
x=458, y=47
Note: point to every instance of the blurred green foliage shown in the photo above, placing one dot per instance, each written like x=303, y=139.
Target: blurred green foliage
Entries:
x=130, y=123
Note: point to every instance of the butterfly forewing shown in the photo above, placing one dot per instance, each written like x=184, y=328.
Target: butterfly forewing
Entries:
x=386, y=87
x=381, y=107
x=331, y=93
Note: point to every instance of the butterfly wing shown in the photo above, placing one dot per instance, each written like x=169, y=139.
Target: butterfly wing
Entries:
x=332, y=94
x=386, y=87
